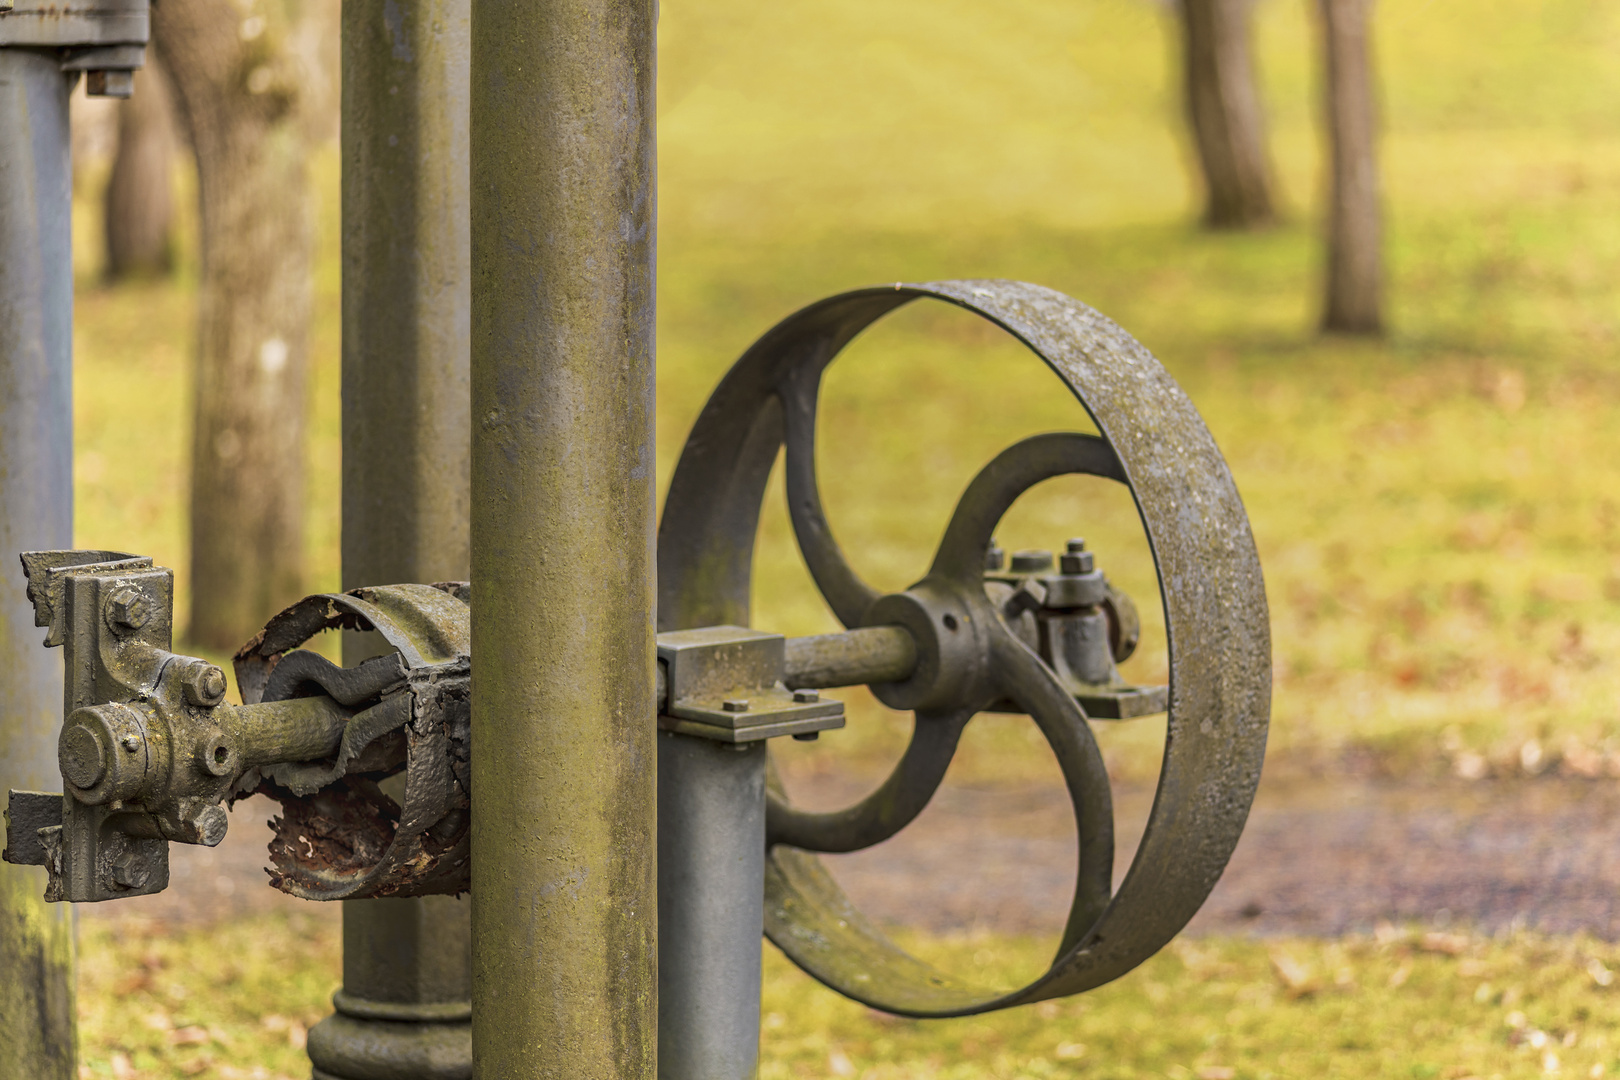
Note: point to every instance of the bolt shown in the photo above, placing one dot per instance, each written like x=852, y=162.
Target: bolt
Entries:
x=112, y=83
x=806, y=697
x=1075, y=546
x=735, y=705
x=128, y=610
x=1031, y=562
x=132, y=743
x=1077, y=562
x=204, y=684
x=994, y=557
x=806, y=736
x=130, y=870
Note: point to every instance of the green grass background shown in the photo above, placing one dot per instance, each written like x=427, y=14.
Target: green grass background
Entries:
x=1436, y=512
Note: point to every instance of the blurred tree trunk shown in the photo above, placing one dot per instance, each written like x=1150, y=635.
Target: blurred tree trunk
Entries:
x=238, y=87
x=1354, y=255
x=1223, y=109
x=139, y=205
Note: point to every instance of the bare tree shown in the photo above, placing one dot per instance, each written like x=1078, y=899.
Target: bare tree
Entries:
x=139, y=204
x=1224, y=111
x=238, y=85
x=1355, y=279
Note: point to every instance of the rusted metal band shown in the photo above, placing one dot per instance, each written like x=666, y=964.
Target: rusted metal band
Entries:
x=1215, y=616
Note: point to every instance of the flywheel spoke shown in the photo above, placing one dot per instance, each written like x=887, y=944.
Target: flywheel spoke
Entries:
x=845, y=592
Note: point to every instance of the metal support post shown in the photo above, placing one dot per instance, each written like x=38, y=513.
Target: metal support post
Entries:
x=36, y=511
x=405, y=1008
x=711, y=908
x=563, y=758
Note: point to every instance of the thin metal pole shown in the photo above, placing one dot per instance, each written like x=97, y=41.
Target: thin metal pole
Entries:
x=711, y=907
x=563, y=862
x=36, y=512
x=405, y=1009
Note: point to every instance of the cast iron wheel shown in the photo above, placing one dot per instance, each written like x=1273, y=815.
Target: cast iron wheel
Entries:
x=1155, y=443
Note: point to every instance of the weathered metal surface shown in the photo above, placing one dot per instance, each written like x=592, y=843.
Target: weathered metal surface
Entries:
x=150, y=751
x=105, y=39
x=711, y=911
x=725, y=683
x=564, y=927
x=874, y=654
x=341, y=835
x=407, y=449
x=53, y=23
x=36, y=511
x=968, y=657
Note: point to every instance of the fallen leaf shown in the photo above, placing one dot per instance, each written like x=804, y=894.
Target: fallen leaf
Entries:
x=1449, y=944
x=1297, y=978
x=197, y=1065
x=1600, y=974
x=121, y=1067
x=840, y=1064
x=191, y=1035
x=297, y=1035
x=1215, y=1072
x=1069, y=1051
x=1399, y=976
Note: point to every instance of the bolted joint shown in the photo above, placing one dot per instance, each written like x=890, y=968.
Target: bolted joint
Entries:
x=104, y=755
x=130, y=869
x=203, y=684
x=127, y=610
x=950, y=629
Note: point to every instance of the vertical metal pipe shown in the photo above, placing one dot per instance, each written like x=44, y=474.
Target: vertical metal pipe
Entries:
x=711, y=907
x=36, y=512
x=405, y=1009
x=563, y=864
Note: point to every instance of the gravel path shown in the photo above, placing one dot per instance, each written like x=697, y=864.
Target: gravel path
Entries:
x=1317, y=859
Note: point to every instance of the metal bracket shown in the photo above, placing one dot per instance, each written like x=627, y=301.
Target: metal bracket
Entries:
x=725, y=683
x=106, y=39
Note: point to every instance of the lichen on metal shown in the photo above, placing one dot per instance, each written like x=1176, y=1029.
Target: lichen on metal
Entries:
x=970, y=654
x=339, y=836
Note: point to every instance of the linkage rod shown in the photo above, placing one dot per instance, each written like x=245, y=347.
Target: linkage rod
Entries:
x=870, y=654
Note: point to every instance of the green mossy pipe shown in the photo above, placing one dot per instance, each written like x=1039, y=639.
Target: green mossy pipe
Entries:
x=407, y=449
x=564, y=866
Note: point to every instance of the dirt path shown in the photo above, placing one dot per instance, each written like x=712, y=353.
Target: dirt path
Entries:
x=1318, y=859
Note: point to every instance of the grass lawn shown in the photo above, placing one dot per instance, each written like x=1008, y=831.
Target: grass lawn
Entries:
x=234, y=1002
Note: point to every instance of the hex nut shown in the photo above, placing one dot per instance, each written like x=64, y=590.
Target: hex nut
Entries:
x=735, y=705
x=130, y=870
x=128, y=610
x=203, y=684
x=806, y=697
x=1077, y=562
